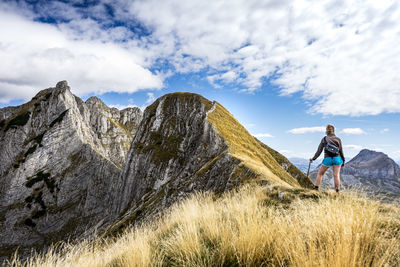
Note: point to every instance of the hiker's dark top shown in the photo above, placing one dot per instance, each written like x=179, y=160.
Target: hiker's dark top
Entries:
x=334, y=140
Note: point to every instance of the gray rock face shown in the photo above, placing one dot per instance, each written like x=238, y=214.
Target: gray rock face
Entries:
x=113, y=127
x=61, y=174
x=175, y=151
x=370, y=170
x=60, y=157
x=372, y=164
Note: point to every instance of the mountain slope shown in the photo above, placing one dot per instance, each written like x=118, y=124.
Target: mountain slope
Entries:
x=251, y=152
x=370, y=170
x=64, y=173
x=57, y=166
x=186, y=143
x=251, y=226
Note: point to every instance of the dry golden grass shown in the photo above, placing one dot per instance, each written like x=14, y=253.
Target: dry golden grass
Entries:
x=247, y=149
x=254, y=226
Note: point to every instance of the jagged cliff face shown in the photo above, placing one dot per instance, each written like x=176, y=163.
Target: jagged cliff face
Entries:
x=64, y=169
x=59, y=159
x=174, y=152
x=183, y=145
x=370, y=170
x=114, y=128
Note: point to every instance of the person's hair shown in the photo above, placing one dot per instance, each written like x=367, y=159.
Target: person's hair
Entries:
x=330, y=129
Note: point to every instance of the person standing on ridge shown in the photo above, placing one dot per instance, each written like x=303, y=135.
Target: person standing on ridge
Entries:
x=333, y=151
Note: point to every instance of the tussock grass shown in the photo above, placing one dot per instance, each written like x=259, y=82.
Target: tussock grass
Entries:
x=243, y=146
x=254, y=226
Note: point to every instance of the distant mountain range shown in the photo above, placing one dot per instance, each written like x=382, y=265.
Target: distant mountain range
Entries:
x=372, y=171
x=302, y=164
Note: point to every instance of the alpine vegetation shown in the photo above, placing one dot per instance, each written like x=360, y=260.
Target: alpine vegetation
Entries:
x=72, y=168
x=251, y=226
x=181, y=184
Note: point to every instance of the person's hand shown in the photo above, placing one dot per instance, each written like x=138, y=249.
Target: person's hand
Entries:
x=311, y=160
x=343, y=164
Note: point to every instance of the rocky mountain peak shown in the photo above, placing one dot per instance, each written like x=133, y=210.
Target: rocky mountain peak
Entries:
x=69, y=167
x=114, y=128
x=62, y=85
x=376, y=163
x=366, y=155
x=374, y=171
x=59, y=158
x=182, y=146
x=97, y=102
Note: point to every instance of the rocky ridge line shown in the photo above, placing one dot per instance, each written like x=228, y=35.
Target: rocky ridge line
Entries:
x=179, y=149
x=64, y=173
x=60, y=156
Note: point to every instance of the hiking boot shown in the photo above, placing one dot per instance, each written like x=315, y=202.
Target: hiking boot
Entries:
x=316, y=187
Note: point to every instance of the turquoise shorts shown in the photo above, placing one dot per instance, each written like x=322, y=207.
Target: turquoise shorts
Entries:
x=329, y=161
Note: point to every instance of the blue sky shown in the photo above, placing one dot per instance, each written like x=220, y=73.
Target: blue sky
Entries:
x=284, y=69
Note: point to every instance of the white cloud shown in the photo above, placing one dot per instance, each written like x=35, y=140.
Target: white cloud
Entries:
x=353, y=147
x=35, y=56
x=342, y=55
x=263, y=135
x=226, y=77
x=396, y=156
x=150, y=98
x=352, y=131
x=384, y=130
x=303, y=130
x=382, y=145
x=131, y=104
x=121, y=107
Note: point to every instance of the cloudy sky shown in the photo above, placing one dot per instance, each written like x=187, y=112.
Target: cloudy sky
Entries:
x=283, y=68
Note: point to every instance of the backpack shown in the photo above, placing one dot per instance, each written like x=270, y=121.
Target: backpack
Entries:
x=331, y=149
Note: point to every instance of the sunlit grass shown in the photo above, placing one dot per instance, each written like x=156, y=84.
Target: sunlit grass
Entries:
x=254, y=226
x=247, y=149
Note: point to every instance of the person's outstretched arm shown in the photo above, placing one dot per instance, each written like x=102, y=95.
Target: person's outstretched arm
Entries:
x=319, y=151
x=341, y=151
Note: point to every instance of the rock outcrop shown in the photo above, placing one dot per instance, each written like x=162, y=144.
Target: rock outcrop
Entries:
x=372, y=171
x=59, y=158
x=66, y=169
x=114, y=128
x=186, y=143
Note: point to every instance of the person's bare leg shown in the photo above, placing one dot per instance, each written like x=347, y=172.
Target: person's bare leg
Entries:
x=336, y=176
x=321, y=173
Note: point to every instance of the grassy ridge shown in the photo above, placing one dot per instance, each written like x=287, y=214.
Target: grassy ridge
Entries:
x=303, y=180
x=246, y=148
x=254, y=226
